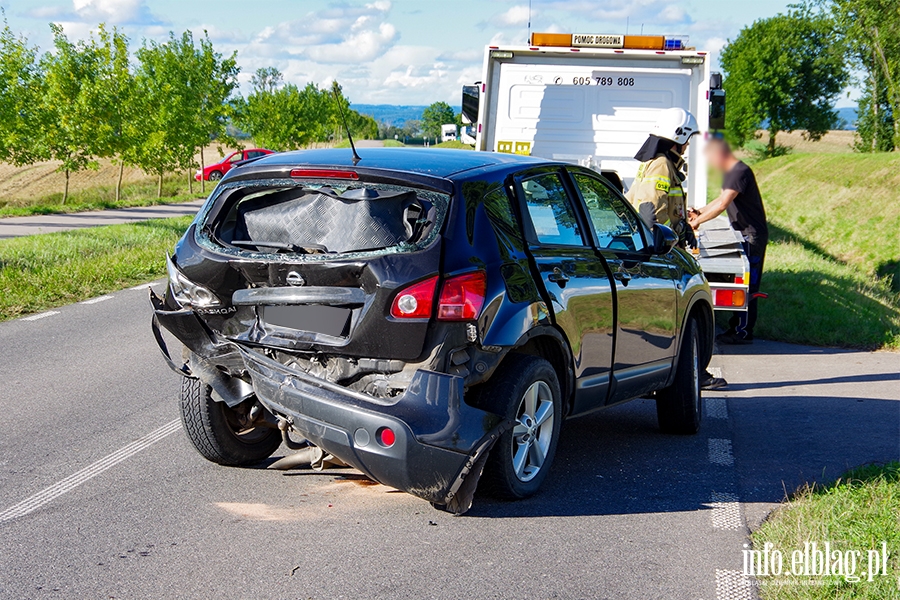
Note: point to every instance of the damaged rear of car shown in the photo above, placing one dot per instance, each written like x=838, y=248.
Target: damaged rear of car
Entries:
x=316, y=305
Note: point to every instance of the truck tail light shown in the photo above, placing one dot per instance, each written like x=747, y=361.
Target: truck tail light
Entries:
x=730, y=298
x=416, y=301
x=462, y=297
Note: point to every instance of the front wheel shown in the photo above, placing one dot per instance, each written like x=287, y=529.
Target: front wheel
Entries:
x=216, y=431
x=679, y=406
x=525, y=389
x=215, y=175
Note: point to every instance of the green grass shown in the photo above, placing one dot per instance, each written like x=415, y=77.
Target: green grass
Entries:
x=142, y=193
x=832, y=263
x=387, y=144
x=39, y=272
x=858, y=512
x=454, y=145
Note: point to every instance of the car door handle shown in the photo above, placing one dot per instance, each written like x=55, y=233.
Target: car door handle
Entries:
x=558, y=277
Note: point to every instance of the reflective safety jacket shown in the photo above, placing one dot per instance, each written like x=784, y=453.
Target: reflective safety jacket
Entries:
x=657, y=193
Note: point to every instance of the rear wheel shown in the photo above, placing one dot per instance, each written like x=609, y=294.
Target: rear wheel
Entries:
x=216, y=431
x=526, y=389
x=215, y=175
x=679, y=406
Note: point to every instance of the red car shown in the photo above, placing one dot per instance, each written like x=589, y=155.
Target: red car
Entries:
x=216, y=171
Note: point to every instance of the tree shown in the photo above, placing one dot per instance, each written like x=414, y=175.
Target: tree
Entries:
x=872, y=29
x=434, y=116
x=216, y=79
x=114, y=133
x=182, y=99
x=72, y=105
x=786, y=71
x=21, y=91
x=285, y=117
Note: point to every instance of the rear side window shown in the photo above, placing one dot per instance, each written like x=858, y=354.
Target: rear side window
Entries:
x=551, y=211
x=616, y=227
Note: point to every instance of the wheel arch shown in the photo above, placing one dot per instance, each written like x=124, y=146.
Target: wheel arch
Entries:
x=550, y=344
x=700, y=309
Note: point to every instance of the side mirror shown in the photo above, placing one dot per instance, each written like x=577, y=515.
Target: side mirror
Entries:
x=664, y=239
x=471, y=97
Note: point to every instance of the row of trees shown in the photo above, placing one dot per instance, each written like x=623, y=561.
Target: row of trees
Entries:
x=283, y=116
x=786, y=72
x=92, y=99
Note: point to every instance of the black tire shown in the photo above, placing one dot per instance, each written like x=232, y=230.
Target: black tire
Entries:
x=214, y=431
x=215, y=175
x=505, y=394
x=679, y=407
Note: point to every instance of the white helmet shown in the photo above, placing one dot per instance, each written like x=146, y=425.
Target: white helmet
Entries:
x=675, y=124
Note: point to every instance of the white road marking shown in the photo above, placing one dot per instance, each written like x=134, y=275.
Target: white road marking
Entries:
x=720, y=452
x=96, y=300
x=726, y=511
x=733, y=585
x=715, y=371
x=716, y=408
x=56, y=490
x=143, y=286
x=49, y=313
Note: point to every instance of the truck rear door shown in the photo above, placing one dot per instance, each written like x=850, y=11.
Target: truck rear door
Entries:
x=577, y=285
x=583, y=109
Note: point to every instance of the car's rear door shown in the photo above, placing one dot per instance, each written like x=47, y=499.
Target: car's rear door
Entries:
x=646, y=297
x=576, y=283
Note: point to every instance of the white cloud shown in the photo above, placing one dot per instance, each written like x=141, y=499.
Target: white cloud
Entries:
x=92, y=12
x=516, y=16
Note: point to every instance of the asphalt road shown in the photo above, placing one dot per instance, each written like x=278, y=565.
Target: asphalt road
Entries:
x=11, y=227
x=101, y=495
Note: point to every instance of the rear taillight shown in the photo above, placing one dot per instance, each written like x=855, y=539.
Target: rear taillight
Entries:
x=462, y=297
x=416, y=301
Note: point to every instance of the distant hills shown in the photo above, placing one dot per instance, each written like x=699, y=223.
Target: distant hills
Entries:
x=398, y=115
x=389, y=113
x=847, y=118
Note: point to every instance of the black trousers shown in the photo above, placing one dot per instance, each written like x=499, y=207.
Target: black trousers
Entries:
x=742, y=323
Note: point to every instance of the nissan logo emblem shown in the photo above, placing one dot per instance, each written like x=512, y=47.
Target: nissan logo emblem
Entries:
x=295, y=278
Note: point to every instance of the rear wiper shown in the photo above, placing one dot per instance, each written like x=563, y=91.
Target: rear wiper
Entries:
x=307, y=249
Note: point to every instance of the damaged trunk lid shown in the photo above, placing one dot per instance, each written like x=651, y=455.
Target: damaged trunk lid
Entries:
x=314, y=265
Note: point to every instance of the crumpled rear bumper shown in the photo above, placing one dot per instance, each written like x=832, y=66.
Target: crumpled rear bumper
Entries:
x=440, y=441
x=439, y=438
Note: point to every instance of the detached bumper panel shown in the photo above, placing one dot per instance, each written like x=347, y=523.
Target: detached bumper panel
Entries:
x=437, y=435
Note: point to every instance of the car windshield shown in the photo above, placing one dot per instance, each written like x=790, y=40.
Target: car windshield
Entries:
x=315, y=220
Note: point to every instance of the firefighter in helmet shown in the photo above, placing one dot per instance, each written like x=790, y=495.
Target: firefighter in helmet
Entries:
x=657, y=191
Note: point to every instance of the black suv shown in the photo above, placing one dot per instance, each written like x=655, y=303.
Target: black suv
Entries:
x=429, y=317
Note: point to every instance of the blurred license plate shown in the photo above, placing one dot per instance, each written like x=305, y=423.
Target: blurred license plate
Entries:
x=310, y=317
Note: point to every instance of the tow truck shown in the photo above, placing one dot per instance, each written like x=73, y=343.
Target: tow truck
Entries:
x=590, y=99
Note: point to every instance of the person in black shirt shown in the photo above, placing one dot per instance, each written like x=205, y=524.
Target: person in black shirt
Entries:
x=741, y=200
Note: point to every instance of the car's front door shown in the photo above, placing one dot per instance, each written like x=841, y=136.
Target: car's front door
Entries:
x=645, y=290
x=577, y=284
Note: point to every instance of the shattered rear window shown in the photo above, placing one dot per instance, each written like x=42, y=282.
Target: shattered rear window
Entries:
x=319, y=220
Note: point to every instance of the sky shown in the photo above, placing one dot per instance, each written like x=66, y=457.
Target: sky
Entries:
x=409, y=52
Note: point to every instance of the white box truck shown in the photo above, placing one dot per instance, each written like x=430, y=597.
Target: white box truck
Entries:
x=591, y=99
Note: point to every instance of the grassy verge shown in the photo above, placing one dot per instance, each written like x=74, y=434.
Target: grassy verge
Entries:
x=142, y=193
x=858, y=512
x=43, y=271
x=454, y=145
x=832, y=263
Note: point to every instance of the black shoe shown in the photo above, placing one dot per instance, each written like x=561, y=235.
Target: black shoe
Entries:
x=733, y=339
x=712, y=383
